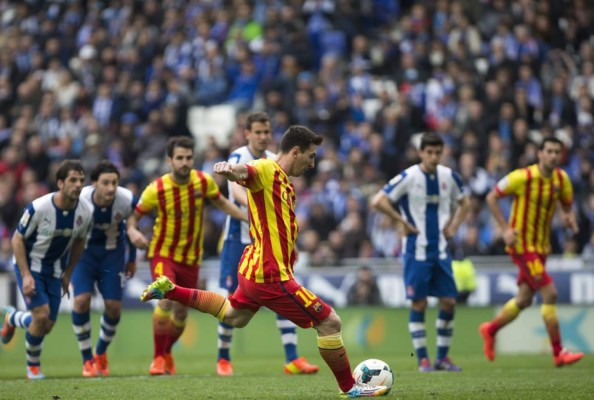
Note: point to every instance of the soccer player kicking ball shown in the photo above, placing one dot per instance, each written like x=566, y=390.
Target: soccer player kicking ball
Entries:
x=258, y=134
x=536, y=190
x=266, y=268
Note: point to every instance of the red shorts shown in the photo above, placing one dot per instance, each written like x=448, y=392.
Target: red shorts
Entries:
x=289, y=299
x=532, y=269
x=180, y=274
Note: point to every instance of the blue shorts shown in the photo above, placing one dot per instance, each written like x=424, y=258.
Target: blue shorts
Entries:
x=428, y=278
x=48, y=290
x=106, y=267
x=230, y=257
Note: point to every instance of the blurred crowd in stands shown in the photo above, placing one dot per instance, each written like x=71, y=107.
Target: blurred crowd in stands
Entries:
x=115, y=78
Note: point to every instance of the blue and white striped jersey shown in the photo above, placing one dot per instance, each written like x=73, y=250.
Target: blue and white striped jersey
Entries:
x=49, y=232
x=234, y=228
x=109, y=224
x=427, y=201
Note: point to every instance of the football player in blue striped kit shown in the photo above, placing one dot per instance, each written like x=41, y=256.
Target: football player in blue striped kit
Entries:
x=47, y=244
x=104, y=262
x=427, y=194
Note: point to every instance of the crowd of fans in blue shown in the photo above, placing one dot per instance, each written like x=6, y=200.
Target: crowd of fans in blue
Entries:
x=115, y=79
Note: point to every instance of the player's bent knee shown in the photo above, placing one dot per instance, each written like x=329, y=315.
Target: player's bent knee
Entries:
x=41, y=315
x=419, y=305
x=82, y=304
x=166, y=305
x=180, y=315
x=238, y=318
x=549, y=298
x=113, y=308
x=237, y=322
x=48, y=327
x=524, y=303
x=44, y=323
x=331, y=325
x=447, y=303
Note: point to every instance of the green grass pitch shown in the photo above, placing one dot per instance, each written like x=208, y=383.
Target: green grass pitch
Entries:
x=258, y=361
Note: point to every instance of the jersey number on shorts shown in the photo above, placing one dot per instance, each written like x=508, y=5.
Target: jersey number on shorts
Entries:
x=159, y=269
x=535, y=266
x=306, y=296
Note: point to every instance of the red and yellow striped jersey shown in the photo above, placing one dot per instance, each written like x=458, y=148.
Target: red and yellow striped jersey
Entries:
x=178, y=230
x=534, y=204
x=273, y=224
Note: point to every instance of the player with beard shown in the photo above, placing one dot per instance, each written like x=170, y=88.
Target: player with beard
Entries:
x=176, y=247
x=537, y=189
x=47, y=244
x=265, y=273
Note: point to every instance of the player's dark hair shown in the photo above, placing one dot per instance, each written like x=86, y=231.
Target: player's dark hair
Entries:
x=431, y=139
x=550, y=139
x=104, y=167
x=66, y=166
x=259, y=116
x=185, y=142
x=300, y=136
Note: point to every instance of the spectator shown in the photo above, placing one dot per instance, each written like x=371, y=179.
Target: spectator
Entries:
x=479, y=74
x=364, y=292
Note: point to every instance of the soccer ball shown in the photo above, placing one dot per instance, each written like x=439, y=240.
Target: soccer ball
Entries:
x=374, y=372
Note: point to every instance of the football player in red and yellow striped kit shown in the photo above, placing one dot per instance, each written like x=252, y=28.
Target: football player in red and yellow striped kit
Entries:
x=536, y=189
x=175, y=249
x=266, y=267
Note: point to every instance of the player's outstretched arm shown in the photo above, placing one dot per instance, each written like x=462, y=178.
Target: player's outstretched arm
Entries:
x=236, y=172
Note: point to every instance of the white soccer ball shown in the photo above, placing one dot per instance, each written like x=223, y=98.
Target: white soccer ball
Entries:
x=374, y=372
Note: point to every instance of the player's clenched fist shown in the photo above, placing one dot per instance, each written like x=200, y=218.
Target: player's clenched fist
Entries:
x=233, y=172
x=223, y=168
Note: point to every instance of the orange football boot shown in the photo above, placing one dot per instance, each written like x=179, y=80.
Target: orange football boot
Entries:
x=224, y=367
x=300, y=366
x=488, y=341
